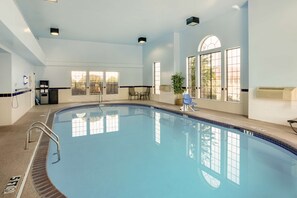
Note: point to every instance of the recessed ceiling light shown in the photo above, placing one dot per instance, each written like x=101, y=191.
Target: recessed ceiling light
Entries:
x=142, y=40
x=54, y=31
x=192, y=21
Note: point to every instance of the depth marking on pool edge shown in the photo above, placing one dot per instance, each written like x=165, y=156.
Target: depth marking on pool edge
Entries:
x=12, y=184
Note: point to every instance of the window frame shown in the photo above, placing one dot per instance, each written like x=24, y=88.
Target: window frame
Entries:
x=99, y=89
x=157, y=78
x=227, y=78
x=215, y=48
x=210, y=53
x=75, y=91
x=189, y=73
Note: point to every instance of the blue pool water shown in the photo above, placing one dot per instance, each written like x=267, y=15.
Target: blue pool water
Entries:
x=139, y=152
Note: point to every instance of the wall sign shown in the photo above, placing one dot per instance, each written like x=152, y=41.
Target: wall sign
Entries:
x=12, y=184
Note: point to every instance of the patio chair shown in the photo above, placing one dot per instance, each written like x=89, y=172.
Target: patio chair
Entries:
x=188, y=102
x=291, y=122
x=132, y=93
x=146, y=94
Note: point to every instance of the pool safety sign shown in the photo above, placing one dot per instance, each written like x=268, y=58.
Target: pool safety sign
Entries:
x=12, y=184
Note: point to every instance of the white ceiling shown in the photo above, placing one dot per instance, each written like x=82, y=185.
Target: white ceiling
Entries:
x=120, y=21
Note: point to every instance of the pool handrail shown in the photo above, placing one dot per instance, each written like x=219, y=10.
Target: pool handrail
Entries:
x=44, y=125
x=52, y=136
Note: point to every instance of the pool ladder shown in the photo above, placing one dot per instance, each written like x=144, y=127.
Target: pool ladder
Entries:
x=46, y=130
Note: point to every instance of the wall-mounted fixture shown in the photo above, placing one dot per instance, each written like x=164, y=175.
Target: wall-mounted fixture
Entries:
x=192, y=21
x=25, y=79
x=142, y=40
x=54, y=31
x=53, y=1
x=236, y=7
x=281, y=93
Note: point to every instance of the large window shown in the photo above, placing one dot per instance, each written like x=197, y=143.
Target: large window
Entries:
x=78, y=82
x=112, y=80
x=191, y=76
x=157, y=77
x=210, y=76
x=233, y=74
x=96, y=82
x=210, y=68
x=211, y=71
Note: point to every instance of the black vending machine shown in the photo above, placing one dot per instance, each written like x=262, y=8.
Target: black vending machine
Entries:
x=43, y=87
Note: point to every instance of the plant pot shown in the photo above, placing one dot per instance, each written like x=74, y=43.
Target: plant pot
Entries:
x=179, y=101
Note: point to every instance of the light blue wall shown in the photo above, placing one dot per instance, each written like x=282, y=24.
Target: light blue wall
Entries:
x=232, y=30
x=273, y=40
x=160, y=50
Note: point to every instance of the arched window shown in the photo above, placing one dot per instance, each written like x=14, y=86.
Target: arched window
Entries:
x=210, y=68
x=209, y=42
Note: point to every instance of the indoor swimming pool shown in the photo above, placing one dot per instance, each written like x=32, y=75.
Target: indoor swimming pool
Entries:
x=134, y=151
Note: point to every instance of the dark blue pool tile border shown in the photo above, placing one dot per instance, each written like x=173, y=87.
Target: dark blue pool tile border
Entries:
x=5, y=95
x=243, y=130
x=276, y=142
x=41, y=181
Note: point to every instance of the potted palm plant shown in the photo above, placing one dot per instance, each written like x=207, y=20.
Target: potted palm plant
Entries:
x=177, y=84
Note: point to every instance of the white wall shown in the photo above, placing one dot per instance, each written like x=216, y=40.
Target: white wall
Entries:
x=162, y=50
x=21, y=50
x=14, y=107
x=5, y=74
x=273, y=63
x=20, y=105
x=20, y=67
x=16, y=35
x=64, y=56
x=60, y=76
x=68, y=52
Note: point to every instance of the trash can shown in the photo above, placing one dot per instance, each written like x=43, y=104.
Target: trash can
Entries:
x=53, y=96
x=44, y=98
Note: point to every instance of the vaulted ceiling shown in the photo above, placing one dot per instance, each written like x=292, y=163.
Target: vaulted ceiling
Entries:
x=121, y=21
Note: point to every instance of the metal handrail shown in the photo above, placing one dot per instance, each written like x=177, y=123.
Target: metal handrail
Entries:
x=41, y=123
x=55, y=138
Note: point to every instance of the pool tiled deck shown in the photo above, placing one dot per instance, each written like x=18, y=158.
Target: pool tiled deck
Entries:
x=15, y=160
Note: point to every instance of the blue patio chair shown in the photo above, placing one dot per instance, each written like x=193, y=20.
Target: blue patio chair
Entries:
x=188, y=102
